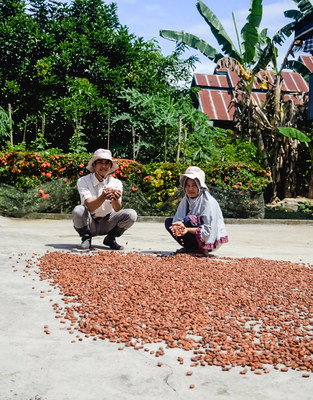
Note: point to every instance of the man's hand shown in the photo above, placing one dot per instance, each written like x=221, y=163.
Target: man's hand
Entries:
x=111, y=194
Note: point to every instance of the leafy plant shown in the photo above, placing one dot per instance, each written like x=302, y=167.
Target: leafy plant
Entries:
x=306, y=208
x=5, y=125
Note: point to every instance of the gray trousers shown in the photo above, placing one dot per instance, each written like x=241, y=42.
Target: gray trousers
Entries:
x=123, y=219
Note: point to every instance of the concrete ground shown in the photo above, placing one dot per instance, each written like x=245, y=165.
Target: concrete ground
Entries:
x=37, y=366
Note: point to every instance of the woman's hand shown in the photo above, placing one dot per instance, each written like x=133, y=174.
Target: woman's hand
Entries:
x=179, y=229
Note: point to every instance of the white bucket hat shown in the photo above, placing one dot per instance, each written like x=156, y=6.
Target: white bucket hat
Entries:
x=102, y=154
x=193, y=173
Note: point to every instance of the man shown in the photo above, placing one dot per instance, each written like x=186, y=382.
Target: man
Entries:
x=100, y=212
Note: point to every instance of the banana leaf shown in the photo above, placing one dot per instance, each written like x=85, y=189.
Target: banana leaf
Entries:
x=193, y=41
x=249, y=32
x=259, y=48
x=293, y=14
x=269, y=55
x=299, y=67
x=218, y=31
x=304, y=5
x=284, y=33
x=294, y=133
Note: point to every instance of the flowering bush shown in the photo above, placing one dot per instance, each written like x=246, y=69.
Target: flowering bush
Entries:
x=26, y=169
x=160, y=181
x=238, y=176
x=37, y=172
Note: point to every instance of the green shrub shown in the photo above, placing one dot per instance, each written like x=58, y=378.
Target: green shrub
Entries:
x=52, y=197
x=306, y=208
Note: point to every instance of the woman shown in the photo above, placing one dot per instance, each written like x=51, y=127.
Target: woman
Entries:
x=198, y=224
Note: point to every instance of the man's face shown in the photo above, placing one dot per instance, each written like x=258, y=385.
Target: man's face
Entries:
x=102, y=167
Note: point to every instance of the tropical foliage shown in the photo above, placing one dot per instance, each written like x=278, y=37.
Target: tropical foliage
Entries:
x=256, y=51
x=64, y=69
x=72, y=79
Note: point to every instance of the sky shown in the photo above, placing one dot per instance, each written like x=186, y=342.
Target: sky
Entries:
x=145, y=18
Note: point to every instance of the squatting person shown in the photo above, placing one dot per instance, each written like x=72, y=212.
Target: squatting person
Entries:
x=198, y=224
x=100, y=212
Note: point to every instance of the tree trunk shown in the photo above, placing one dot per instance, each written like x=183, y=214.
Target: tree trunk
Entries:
x=109, y=129
x=277, y=104
x=165, y=144
x=25, y=127
x=11, y=124
x=134, y=142
x=43, y=124
x=179, y=139
x=310, y=192
x=276, y=169
x=261, y=148
x=185, y=141
x=290, y=169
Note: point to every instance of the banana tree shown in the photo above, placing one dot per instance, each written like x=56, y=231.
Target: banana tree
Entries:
x=247, y=51
x=300, y=137
x=255, y=53
x=285, y=148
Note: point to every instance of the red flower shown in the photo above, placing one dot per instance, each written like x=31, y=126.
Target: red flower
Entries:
x=134, y=189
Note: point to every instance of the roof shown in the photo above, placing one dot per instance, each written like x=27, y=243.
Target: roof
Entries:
x=216, y=91
x=307, y=61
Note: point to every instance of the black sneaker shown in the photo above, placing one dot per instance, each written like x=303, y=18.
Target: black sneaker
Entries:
x=85, y=244
x=112, y=243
